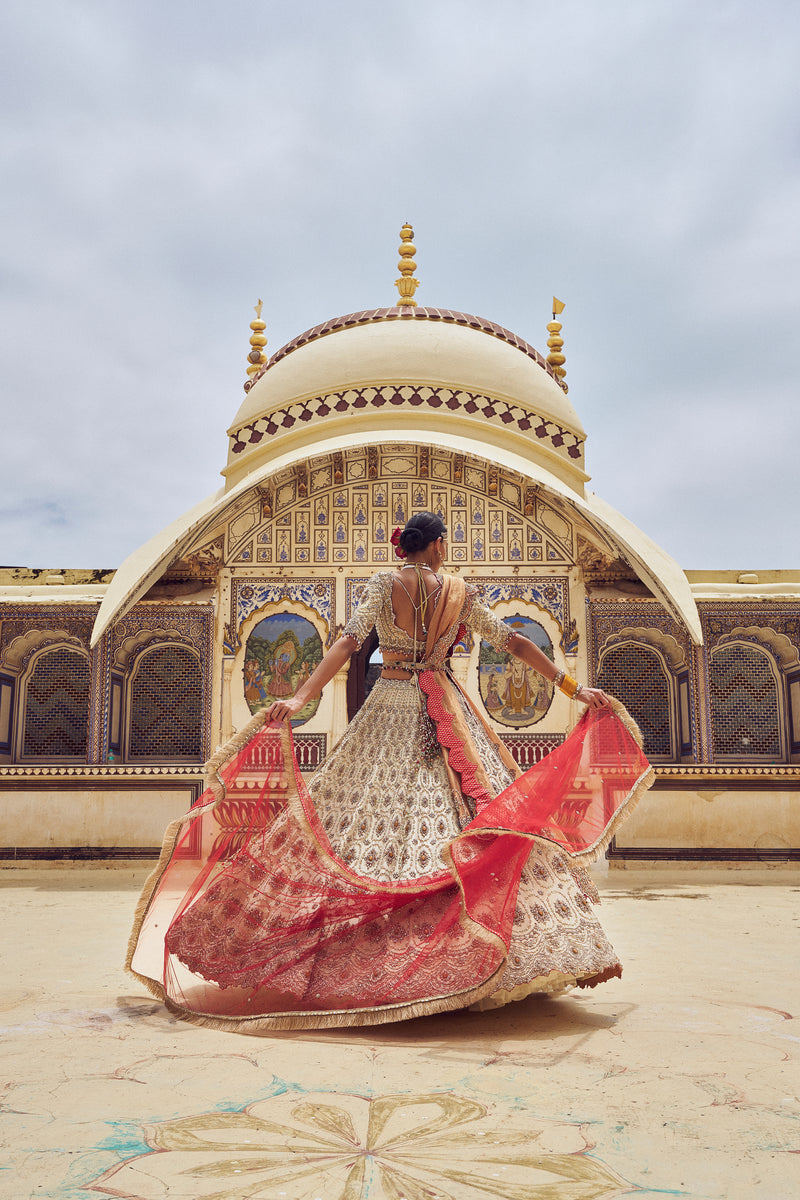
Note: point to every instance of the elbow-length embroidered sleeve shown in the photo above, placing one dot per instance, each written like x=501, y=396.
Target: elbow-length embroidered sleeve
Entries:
x=482, y=621
x=366, y=612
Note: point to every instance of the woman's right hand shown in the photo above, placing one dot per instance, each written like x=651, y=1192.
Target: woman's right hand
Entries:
x=593, y=698
x=283, y=710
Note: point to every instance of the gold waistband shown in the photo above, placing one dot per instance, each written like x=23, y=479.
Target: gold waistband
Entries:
x=397, y=660
x=409, y=667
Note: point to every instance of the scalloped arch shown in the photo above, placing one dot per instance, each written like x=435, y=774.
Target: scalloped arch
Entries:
x=671, y=649
x=19, y=652
x=778, y=644
x=143, y=638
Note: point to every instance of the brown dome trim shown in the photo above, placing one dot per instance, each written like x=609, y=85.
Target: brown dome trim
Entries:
x=353, y=401
x=367, y=316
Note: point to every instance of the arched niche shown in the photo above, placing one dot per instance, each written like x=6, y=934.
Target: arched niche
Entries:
x=18, y=652
x=131, y=648
x=54, y=704
x=288, y=478
x=637, y=674
x=747, y=718
x=778, y=645
x=672, y=652
x=165, y=704
x=283, y=605
x=340, y=509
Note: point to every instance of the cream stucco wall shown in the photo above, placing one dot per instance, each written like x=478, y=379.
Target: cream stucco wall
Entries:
x=745, y=819
x=83, y=817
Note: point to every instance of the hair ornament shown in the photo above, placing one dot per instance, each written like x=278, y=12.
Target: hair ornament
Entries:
x=394, y=539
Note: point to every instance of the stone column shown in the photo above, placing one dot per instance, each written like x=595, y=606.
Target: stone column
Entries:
x=226, y=721
x=459, y=664
x=100, y=676
x=339, y=697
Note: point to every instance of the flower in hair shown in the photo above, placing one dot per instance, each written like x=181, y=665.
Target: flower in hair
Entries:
x=395, y=539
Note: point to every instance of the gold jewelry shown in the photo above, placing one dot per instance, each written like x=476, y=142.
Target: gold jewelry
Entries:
x=558, y=678
x=570, y=687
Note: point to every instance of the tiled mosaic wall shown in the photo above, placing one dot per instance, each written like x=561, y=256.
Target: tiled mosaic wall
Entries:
x=166, y=706
x=57, y=706
x=635, y=675
x=745, y=710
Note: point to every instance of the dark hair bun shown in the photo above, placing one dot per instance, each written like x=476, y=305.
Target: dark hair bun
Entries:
x=422, y=529
x=411, y=540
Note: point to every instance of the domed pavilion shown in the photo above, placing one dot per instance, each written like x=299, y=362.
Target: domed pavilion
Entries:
x=343, y=433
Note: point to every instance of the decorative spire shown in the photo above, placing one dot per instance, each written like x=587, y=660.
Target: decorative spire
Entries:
x=256, y=358
x=555, y=344
x=407, y=284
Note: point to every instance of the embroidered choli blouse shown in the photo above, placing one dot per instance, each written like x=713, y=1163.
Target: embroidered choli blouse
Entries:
x=375, y=609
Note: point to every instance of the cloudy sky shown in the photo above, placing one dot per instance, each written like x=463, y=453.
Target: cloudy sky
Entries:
x=165, y=163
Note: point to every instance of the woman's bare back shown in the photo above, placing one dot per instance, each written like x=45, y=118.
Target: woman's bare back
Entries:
x=412, y=604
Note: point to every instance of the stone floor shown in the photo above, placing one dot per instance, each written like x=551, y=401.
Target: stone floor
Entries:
x=681, y=1079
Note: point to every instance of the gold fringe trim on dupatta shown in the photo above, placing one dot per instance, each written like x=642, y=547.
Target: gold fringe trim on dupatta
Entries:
x=173, y=831
x=225, y=753
x=336, y=1019
x=389, y=1013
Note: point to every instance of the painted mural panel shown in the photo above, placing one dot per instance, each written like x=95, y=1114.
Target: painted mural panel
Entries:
x=512, y=693
x=312, y=516
x=281, y=652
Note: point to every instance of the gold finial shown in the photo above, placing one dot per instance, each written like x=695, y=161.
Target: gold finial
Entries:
x=256, y=359
x=555, y=344
x=407, y=284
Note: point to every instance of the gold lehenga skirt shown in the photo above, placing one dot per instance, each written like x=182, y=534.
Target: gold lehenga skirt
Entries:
x=388, y=814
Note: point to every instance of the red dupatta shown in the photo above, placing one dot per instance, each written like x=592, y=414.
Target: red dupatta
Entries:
x=250, y=921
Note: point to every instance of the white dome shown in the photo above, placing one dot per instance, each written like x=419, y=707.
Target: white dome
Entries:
x=431, y=370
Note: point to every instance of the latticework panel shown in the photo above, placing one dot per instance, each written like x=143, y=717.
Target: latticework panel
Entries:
x=166, y=709
x=57, y=706
x=745, y=712
x=636, y=676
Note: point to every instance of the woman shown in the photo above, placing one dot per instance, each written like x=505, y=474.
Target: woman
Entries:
x=280, y=682
x=519, y=692
x=417, y=871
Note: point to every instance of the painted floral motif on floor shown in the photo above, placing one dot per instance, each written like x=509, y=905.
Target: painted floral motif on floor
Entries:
x=333, y=1146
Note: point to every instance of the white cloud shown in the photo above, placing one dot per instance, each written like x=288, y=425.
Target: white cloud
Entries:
x=166, y=164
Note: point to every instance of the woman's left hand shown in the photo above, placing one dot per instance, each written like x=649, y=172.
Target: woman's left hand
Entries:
x=593, y=698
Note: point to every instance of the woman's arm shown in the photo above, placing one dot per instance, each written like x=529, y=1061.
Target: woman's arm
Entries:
x=532, y=656
x=483, y=622
x=333, y=661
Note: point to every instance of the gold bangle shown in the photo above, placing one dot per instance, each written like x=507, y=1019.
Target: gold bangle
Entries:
x=558, y=678
x=569, y=686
